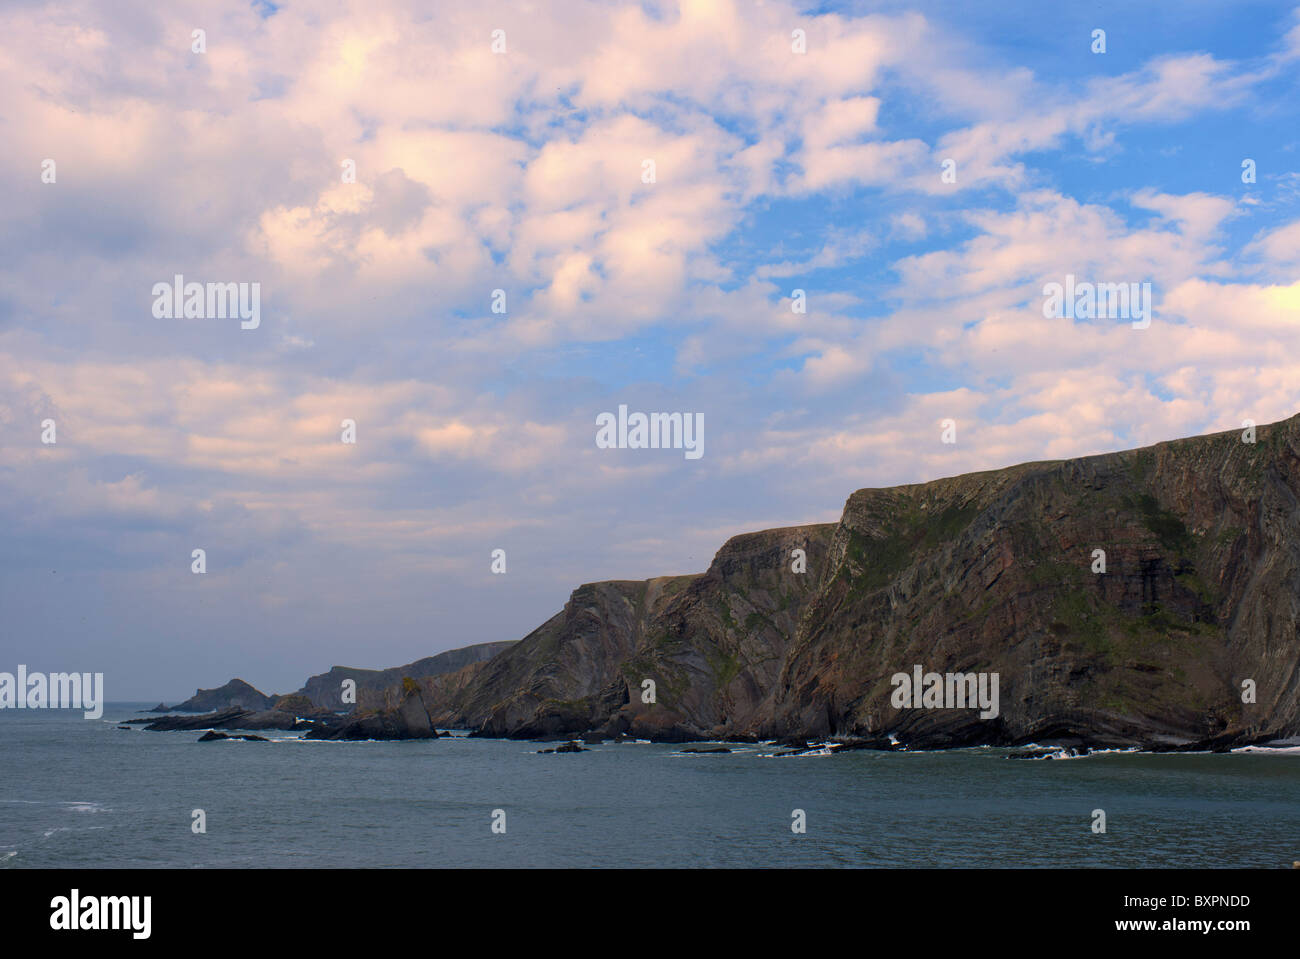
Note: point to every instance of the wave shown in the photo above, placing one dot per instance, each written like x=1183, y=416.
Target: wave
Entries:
x=85, y=807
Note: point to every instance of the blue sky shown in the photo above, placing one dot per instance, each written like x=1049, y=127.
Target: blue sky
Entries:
x=522, y=171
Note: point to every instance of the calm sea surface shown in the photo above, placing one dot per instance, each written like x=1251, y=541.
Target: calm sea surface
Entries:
x=76, y=792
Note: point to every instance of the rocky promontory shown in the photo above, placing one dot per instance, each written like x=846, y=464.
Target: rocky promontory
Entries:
x=235, y=694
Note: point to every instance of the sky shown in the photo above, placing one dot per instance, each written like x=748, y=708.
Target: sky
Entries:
x=919, y=171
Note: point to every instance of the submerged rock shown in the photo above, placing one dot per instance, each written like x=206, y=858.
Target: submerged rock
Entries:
x=210, y=737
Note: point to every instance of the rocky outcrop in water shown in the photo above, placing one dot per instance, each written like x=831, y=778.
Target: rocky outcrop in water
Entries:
x=1198, y=608
x=407, y=718
x=235, y=694
x=234, y=718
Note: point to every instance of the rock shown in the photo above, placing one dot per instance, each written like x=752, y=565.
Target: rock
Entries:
x=569, y=747
x=706, y=749
x=160, y=708
x=234, y=718
x=880, y=743
x=235, y=694
x=272, y=719
x=302, y=708
x=127, y=728
x=210, y=737
x=221, y=718
x=408, y=719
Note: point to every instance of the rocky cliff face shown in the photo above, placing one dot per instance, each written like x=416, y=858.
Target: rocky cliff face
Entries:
x=713, y=645
x=988, y=573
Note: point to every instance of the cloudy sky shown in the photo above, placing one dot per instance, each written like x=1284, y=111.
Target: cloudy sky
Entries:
x=524, y=171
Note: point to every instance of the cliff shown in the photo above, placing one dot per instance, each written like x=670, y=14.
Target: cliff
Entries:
x=713, y=644
x=985, y=573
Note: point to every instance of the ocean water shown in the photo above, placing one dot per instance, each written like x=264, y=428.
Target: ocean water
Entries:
x=83, y=793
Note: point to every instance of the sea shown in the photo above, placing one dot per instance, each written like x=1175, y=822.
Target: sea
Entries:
x=84, y=793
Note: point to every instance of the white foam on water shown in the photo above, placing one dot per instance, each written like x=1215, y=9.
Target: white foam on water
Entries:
x=87, y=807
